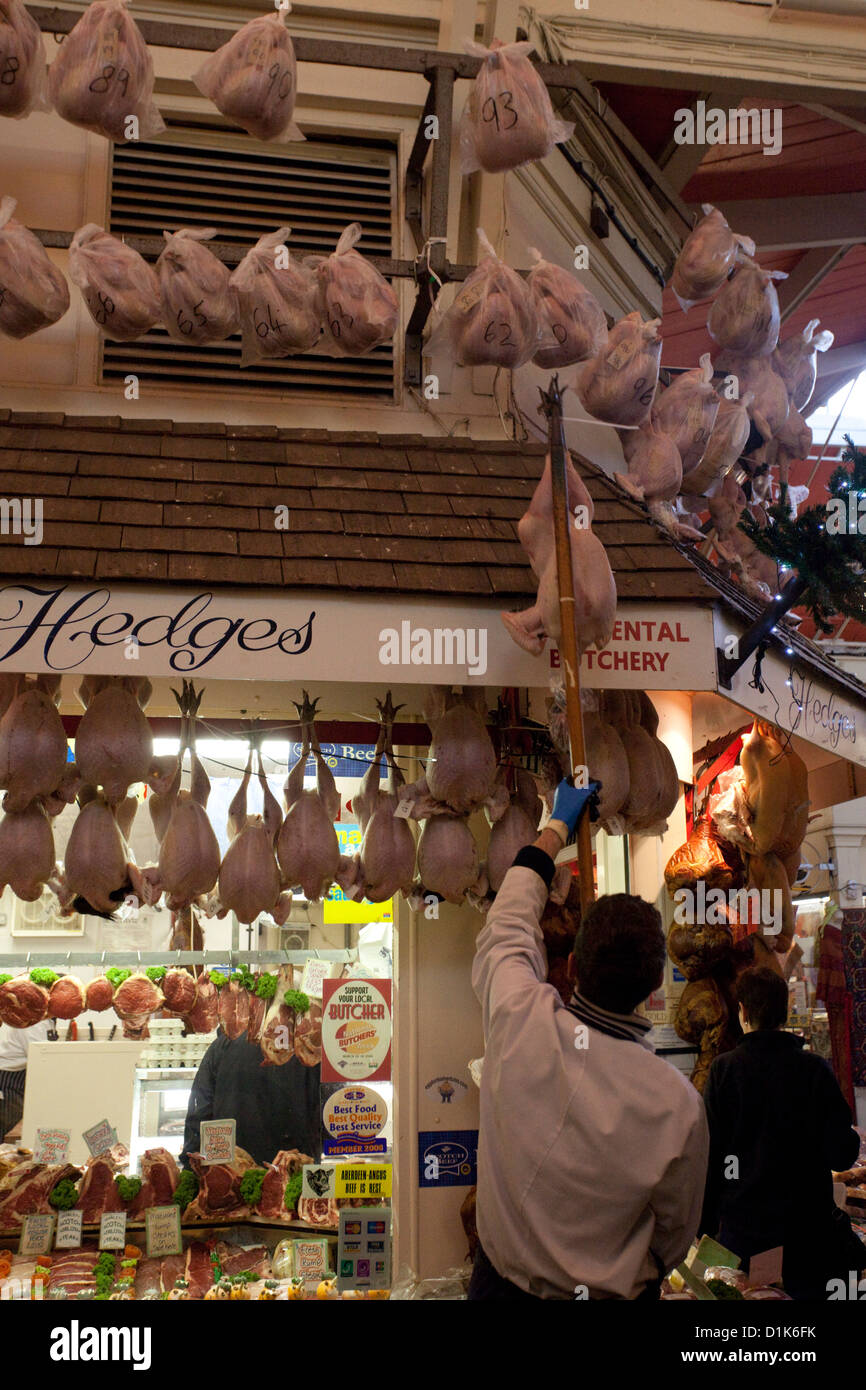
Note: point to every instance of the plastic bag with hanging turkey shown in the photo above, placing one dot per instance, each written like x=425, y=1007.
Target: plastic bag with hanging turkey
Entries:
x=278, y=298
x=33, y=292
x=706, y=258
x=102, y=78
x=199, y=302
x=571, y=321
x=120, y=289
x=23, y=74
x=508, y=118
x=796, y=361
x=359, y=309
x=493, y=321
x=745, y=316
x=253, y=79
x=619, y=383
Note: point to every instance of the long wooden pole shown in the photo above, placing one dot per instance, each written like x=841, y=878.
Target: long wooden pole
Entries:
x=562, y=519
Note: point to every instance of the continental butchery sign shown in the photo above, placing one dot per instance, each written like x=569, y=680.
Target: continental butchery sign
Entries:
x=271, y=634
x=356, y=1030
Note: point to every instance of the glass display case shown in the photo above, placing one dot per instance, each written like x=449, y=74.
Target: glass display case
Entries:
x=159, y=1105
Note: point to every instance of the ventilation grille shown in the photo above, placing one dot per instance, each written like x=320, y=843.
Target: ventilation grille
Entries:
x=207, y=176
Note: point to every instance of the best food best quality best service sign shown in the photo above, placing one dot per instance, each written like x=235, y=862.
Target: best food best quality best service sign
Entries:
x=356, y=1030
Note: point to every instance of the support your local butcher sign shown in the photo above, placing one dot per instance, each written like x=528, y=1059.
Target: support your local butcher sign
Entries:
x=270, y=634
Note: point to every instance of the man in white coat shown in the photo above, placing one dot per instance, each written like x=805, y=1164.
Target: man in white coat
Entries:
x=592, y=1151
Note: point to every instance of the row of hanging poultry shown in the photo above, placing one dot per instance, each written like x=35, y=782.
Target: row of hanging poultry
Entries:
x=271, y=851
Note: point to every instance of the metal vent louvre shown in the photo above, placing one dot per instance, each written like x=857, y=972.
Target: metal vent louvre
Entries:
x=208, y=176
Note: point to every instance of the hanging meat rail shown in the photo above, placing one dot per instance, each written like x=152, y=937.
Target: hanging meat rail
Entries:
x=432, y=269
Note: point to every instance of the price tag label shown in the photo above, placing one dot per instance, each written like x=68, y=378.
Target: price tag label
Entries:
x=112, y=1230
x=36, y=1234
x=466, y=299
x=52, y=1145
x=218, y=1141
x=622, y=353
x=363, y=1180
x=68, y=1230
x=163, y=1231
x=403, y=809
x=99, y=1138
x=315, y=971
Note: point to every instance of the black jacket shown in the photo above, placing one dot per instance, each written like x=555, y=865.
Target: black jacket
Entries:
x=778, y=1125
x=275, y=1107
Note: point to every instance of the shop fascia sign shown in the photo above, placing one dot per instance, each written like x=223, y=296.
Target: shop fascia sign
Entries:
x=797, y=699
x=269, y=634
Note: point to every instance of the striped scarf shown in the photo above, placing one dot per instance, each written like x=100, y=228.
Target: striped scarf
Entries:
x=627, y=1027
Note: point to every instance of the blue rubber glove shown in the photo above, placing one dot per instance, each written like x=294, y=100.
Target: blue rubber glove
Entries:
x=570, y=802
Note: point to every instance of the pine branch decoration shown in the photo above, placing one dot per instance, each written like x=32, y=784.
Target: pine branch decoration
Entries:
x=826, y=544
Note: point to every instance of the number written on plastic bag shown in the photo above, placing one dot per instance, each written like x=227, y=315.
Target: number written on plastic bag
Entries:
x=490, y=111
x=341, y=317
x=10, y=71
x=281, y=80
x=185, y=324
x=105, y=310
x=505, y=340
x=268, y=325
x=109, y=73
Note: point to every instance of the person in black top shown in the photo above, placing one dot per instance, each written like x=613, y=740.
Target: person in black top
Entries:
x=778, y=1125
x=274, y=1107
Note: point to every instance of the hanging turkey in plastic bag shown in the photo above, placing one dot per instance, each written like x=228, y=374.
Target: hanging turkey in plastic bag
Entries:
x=278, y=300
x=199, y=303
x=571, y=320
x=358, y=307
x=706, y=258
x=687, y=412
x=745, y=316
x=120, y=289
x=102, y=78
x=23, y=74
x=619, y=383
x=253, y=79
x=493, y=321
x=508, y=119
x=796, y=361
x=770, y=405
x=727, y=441
x=33, y=292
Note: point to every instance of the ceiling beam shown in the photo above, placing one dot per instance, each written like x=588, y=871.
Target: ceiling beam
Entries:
x=807, y=274
x=840, y=117
x=789, y=224
x=841, y=358
x=680, y=162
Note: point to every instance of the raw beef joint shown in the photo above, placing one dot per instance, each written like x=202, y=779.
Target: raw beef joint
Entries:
x=22, y=1003
x=219, y=1192
x=98, y=1192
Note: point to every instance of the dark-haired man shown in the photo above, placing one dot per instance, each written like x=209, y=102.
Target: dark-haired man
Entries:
x=778, y=1125
x=592, y=1150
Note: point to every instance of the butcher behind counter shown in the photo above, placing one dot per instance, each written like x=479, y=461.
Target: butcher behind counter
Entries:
x=274, y=1107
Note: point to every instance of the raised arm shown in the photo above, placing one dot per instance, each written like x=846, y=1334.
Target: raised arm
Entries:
x=510, y=956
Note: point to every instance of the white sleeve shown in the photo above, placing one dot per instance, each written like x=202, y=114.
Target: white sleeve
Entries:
x=509, y=956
